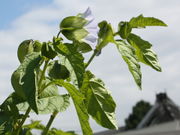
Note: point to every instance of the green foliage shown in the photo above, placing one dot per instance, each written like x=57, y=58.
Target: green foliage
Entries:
x=128, y=54
x=57, y=70
x=73, y=60
x=24, y=82
x=47, y=67
x=99, y=102
x=48, y=105
x=142, y=21
x=27, y=47
x=78, y=100
x=105, y=35
x=48, y=50
x=144, y=52
x=83, y=47
x=138, y=113
x=124, y=29
x=54, y=131
x=72, y=28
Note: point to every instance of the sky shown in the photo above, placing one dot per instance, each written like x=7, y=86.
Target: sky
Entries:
x=20, y=20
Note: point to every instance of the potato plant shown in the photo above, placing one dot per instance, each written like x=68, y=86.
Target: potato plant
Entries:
x=47, y=67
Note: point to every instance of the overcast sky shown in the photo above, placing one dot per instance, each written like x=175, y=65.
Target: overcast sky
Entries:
x=20, y=20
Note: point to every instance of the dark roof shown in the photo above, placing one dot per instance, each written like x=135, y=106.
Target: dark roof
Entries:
x=164, y=110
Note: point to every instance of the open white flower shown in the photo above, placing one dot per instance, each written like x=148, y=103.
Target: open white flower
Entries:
x=92, y=28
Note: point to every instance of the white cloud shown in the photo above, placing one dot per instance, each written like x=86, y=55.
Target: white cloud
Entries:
x=42, y=23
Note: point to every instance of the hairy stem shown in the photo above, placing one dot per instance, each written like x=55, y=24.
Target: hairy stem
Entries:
x=49, y=123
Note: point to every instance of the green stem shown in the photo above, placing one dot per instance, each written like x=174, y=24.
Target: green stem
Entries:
x=58, y=34
x=43, y=72
x=43, y=88
x=23, y=120
x=91, y=58
x=49, y=123
x=115, y=34
x=25, y=116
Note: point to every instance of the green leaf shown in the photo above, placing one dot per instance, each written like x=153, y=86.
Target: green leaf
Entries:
x=54, y=131
x=142, y=21
x=72, y=28
x=124, y=29
x=48, y=105
x=83, y=47
x=81, y=110
x=6, y=123
x=9, y=105
x=34, y=125
x=48, y=89
x=57, y=70
x=48, y=51
x=129, y=56
x=27, y=47
x=144, y=52
x=1, y=129
x=73, y=60
x=24, y=48
x=77, y=34
x=55, y=103
x=99, y=101
x=37, y=46
x=24, y=82
x=73, y=22
x=49, y=100
x=105, y=35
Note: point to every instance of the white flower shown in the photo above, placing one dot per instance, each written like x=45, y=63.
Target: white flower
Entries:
x=91, y=27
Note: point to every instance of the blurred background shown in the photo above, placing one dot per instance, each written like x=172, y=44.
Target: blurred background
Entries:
x=20, y=20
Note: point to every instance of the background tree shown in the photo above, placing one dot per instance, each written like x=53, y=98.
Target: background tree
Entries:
x=138, y=113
